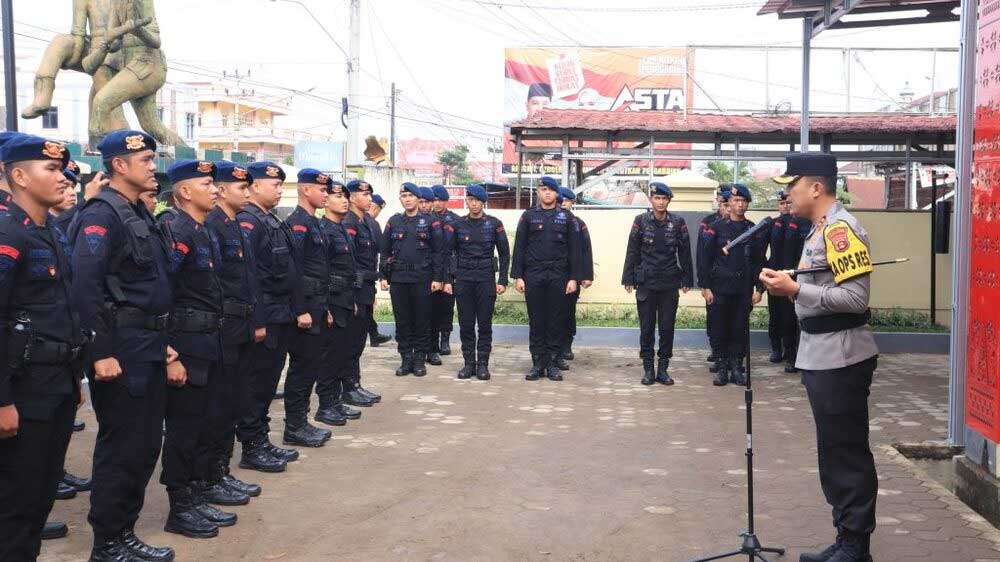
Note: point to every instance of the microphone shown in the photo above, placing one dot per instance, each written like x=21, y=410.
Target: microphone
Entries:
x=746, y=235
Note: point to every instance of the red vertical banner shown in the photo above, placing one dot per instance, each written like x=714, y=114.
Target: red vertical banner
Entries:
x=982, y=390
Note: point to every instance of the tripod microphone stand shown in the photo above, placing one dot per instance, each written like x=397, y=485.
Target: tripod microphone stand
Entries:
x=751, y=547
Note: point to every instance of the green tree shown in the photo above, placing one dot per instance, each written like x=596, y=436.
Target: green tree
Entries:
x=455, y=161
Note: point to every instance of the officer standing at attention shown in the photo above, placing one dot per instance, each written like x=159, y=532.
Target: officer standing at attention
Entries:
x=271, y=243
x=367, y=240
x=776, y=261
x=837, y=352
x=374, y=210
x=442, y=303
x=425, y=201
x=5, y=136
x=236, y=275
x=722, y=202
x=311, y=308
x=657, y=264
x=195, y=378
x=411, y=270
x=729, y=281
x=42, y=351
x=479, y=279
x=122, y=289
x=340, y=253
x=547, y=265
x=586, y=279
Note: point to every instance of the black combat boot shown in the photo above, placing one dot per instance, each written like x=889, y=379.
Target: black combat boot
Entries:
x=140, y=549
x=568, y=350
x=662, y=376
x=405, y=365
x=536, y=369
x=648, y=377
x=185, y=520
x=483, y=368
x=230, y=481
x=776, y=354
x=854, y=547
x=354, y=397
x=324, y=434
x=739, y=374
x=355, y=383
x=296, y=433
x=553, y=370
x=349, y=412
x=790, y=354
x=217, y=493
x=54, y=530
x=287, y=455
x=330, y=416
x=434, y=358
x=112, y=551
x=214, y=515
x=65, y=492
x=256, y=457
x=444, y=346
x=722, y=371
x=468, y=369
x=419, y=369
x=378, y=339
x=717, y=362
x=77, y=483
x=826, y=554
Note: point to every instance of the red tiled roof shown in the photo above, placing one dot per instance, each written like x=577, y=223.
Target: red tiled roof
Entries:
x=676, y=122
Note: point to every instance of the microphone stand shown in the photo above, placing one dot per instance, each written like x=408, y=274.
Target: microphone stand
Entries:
x=751, y=547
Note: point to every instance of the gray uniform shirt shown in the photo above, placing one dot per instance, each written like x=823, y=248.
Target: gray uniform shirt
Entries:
x=820, y=295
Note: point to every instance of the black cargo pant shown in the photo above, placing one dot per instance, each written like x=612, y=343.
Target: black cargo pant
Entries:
x=545, y=296
x=476, y=301
x=411, y=306
x=839, y=400
x=235, y=396
x=570, y=315
x=789, y=328
x=442, y=318
x=732, y=312
x=307, y=356
x=358, y=334
x=776, y=321
x=656, y=308
x=268, y=362
x=31, y=466
x=190, y=448
x=129, y=435
x=339, y=365
x=711, y=313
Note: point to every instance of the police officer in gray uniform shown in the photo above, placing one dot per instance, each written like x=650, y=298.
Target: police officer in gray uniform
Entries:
x=837, y=353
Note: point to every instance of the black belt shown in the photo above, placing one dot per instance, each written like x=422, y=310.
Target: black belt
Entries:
x=52, y=353
x=234, y=309
x=366, y=275
x=396, y=267
x=135, y=318
x=835, y=322
x=192, y=320
x=268, y=298
x=314, y=286
x=340, y=283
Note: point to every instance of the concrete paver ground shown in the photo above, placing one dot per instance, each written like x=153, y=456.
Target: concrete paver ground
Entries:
x=595, y=468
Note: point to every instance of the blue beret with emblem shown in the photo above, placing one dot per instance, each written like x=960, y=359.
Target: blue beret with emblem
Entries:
x=477, y=191
x=190, y=169
x=660, y=188
x=426, y=193
x=378, y=200
x=742, y=191
x=265, y=170
x=125, y=142
x=7, y=135
x=314, y=176
x=29, y=147
x=548, y=182
x=230, y=172
x=567, y=193
x=357, y=186
x=71, y=176
x=440, y=193
x=410, y=187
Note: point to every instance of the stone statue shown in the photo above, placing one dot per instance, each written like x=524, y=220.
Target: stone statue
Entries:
x=122, y=54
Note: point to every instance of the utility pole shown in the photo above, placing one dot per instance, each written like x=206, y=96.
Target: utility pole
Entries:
x=392, y=125
x=494, y=149
x=9, y=63
x=237, y=123
x=353, y=82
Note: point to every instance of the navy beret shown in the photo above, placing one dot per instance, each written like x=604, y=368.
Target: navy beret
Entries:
x=742, y=191
x=378, y=200
x=782, y=195
x=7, y=135
x=477, y=191
x=189, y=169
x=312, y=175
x=23, y=148
x=338, y=187
x=548, y=182
x=410, y=187
x=71, y=176
x=265, y=170
x=567, y=193
x=798, y=164
x=355, y=186
x=725, y=193
x=426, y=193
x=441, y=193
x=660, y=188
x=73, y=167
x=125, y=142
x=230, y=172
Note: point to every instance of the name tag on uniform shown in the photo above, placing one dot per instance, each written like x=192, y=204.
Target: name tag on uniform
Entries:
x=845, y=252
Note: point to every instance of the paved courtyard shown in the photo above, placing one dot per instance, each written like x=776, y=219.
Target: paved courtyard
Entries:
x=596, y=468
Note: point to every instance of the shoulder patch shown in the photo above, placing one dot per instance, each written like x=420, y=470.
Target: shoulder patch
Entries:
x=247, y=225
x=94, y=235
x=299, y=228
x=846, y=253
x=10, y=252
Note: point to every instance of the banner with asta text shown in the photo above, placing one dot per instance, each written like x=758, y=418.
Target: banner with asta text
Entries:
x=594, y=78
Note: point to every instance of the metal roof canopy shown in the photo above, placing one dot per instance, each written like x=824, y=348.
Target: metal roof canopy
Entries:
x=831, y=14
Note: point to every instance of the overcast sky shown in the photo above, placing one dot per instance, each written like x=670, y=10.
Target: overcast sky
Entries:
x=447, y=55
